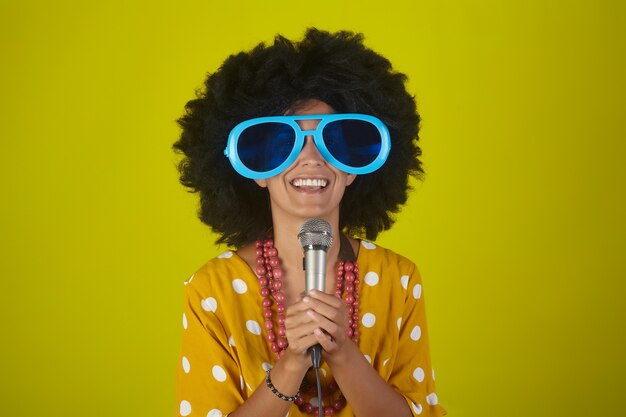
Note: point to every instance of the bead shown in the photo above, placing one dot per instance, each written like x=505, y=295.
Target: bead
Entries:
x=259, y=252
x=263, y=282
x=350, y=310
x=299, y=401
x=328, y=411
x=349, y=287
x=308, y=408
x=267, y=313
x=268, y=243
x=272, y=252
x=278, y=273
x=282, y=343
x=348, y=266
x=278, y=284
x=281, y=319
x=271, y=337
x=265, y=292
x=332, y=386
x=280, y=297
x=338, y=293
x=339, y=404
x=275, y=347
x=354, y=324
x=266, y=302
x=260, y=261
x=274, y=262
x=269, y=324
x=280, y=308
x=349, y=332
x=282, y=331
x=349, y=298
x=260, y=270
x=349, y=276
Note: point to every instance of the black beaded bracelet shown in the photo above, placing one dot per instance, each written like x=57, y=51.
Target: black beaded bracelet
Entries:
x=277, y=393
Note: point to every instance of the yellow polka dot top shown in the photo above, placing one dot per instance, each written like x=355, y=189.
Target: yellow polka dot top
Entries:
x=224, y=353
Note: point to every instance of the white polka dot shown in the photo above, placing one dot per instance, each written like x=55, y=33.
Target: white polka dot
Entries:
x=416, y=333
x=417, y=291
x=209, y=304
x=185, y=408
x=433, y=373
x=417, y=408
x=323, y=372
x=190, y=278
x=186, y=365
x=215, y=413
x=385, y=362
x=253, y=327
x=314, y=402
x=368, y=320
x=404, y=280
x=219, y=374
x=266, y=366
x=367, y=358
x=231, y=341
x=418, y=374
x=368, y=245
x=184, y=321
x=239, y=286
x=432, y=399
x=225, y=255
x=399, y=322
x=371, y=278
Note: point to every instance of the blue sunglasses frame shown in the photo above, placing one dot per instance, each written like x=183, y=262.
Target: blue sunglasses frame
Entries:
x=233, y=138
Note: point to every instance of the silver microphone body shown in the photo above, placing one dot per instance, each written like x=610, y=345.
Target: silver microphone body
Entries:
x=315, y=238
x=315, y=268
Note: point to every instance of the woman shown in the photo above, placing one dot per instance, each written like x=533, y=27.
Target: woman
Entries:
x=322, y=128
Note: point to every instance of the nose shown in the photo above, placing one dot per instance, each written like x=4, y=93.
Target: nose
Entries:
x=310, y=155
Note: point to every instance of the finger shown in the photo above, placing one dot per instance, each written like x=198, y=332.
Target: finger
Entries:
x=325, y=340
x=326, y=324
x=303, y=344
x=329, y=299
x=332, y=312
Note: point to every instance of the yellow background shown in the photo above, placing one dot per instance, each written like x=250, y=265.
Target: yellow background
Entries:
x=518, y=230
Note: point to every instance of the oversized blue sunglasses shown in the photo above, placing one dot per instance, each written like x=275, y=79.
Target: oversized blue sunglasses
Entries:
x=265, y=146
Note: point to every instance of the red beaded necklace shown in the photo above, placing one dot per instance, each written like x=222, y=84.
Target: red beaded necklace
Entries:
x=270, y=280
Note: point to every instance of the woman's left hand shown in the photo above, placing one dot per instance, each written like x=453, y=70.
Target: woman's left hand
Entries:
x=330, y=313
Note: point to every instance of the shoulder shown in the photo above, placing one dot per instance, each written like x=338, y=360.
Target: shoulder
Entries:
x=218, y=272
x=373, y=255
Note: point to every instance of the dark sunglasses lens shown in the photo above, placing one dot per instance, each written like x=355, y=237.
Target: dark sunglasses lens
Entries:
x=355, y=143
x=265, y=146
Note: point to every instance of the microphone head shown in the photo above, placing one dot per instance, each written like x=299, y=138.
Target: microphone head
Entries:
x=315, y=232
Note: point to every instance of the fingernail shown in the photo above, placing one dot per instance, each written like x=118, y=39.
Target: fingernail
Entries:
x=306, y=299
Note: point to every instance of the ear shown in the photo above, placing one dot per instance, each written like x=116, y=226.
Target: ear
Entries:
x=350, y=179
x=261, y=183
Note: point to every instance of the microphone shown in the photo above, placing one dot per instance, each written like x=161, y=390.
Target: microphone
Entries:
x=315, y=238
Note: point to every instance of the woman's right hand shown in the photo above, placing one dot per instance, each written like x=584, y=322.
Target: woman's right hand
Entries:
x=299, y=327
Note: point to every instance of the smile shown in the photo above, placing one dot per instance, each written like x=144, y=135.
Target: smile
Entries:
x=311, y=183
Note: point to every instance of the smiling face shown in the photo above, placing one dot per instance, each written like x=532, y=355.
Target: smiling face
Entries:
x=310, y=187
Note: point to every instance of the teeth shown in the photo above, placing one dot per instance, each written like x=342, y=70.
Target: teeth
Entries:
x=309, y=182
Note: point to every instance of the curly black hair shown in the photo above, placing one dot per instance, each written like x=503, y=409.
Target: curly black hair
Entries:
x=335, y=68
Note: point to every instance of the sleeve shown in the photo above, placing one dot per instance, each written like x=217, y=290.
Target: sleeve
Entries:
x=412, y=373
x=208, y=382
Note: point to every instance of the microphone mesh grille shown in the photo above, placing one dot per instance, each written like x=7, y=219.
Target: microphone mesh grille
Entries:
x=315, y=232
